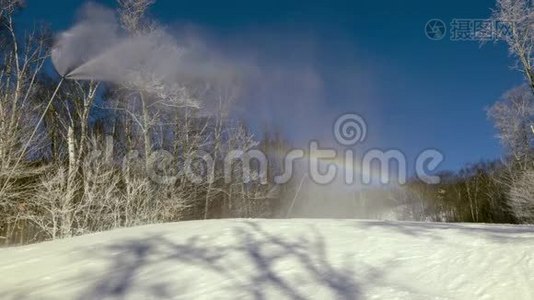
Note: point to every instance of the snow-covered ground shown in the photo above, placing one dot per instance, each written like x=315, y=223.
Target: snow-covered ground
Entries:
x=278, y=259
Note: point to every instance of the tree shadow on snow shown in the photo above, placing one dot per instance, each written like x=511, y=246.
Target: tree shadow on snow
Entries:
x=490, y=232
x=272, y=263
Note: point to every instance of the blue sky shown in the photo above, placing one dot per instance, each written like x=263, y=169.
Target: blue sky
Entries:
x=370, y=57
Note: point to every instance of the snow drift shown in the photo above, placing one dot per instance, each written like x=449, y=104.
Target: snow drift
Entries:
x=278, y=259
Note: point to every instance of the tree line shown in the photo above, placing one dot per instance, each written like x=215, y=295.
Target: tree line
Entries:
x=85, y=169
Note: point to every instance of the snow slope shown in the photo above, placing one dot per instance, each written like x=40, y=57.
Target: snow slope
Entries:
x=278, y=259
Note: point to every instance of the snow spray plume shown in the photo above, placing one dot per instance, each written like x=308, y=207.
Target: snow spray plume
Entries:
x=97, y=49
x=96, y=32
x=287, y=91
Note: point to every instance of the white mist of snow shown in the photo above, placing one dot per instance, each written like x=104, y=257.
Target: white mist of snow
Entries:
x=97, y=49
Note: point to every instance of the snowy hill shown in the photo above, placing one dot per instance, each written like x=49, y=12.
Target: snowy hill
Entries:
x=278, y=259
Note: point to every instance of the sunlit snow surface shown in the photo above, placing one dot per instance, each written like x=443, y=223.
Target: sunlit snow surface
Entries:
x=278, y=259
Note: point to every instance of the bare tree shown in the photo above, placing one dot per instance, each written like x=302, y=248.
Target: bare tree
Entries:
x=72, y=180
x=132, y=15
x=517, y=19
x=514, y=114
x=513, y=117
x=522, y=197
x=23, y=58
